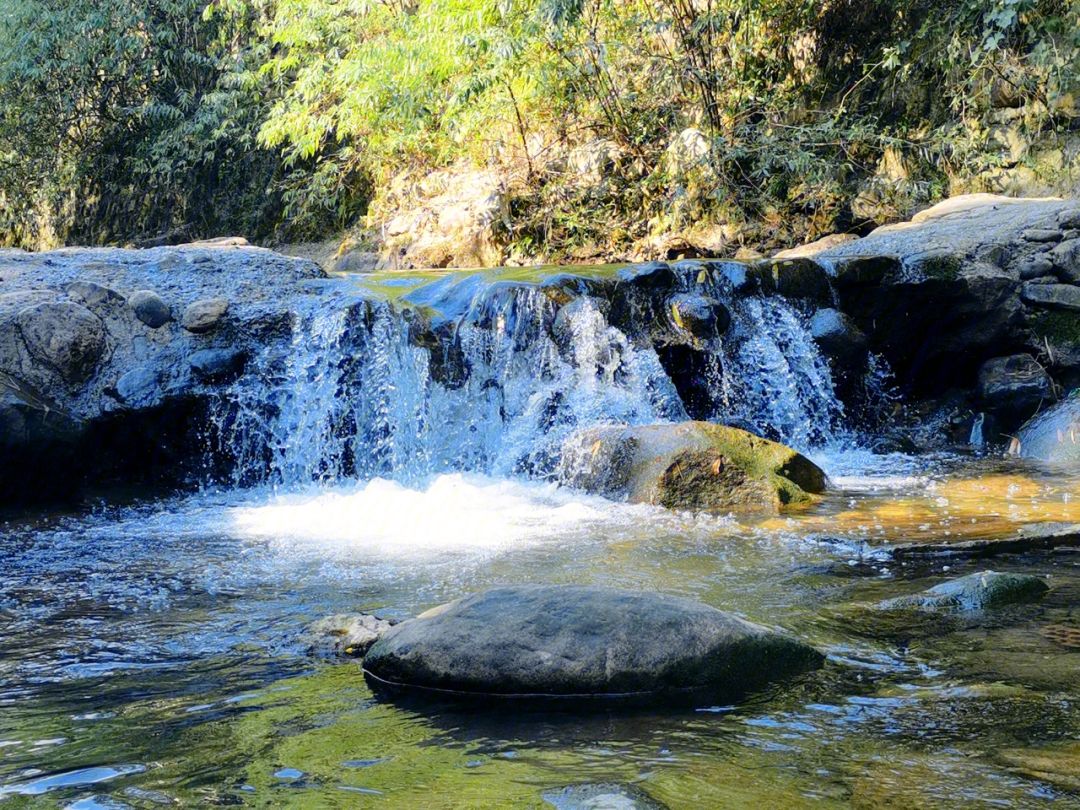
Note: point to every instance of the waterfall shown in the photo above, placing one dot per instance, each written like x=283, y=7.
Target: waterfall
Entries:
x=463, y=375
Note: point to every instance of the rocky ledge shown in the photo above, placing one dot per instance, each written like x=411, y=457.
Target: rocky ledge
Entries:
x=107, y=356
x=582, y=642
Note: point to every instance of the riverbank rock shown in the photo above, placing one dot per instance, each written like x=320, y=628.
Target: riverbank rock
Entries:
x=979, y=591
x=97, y=383
x=697, y=466
x=1015, y=386
x=577, y=641
x=1054, y=435
x=350, y=634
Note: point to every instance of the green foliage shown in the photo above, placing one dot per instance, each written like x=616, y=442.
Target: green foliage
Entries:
x=119, y=119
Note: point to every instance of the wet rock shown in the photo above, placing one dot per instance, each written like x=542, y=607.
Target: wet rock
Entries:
x=693, y=465
x=839, y=337
x=349, y=634
x=979, y=591
x=65, y=336
x=150, y=308
x=139, y=387
x=577, y=642
x=792, y=278
x=1054, y=435
x=702, y=317
x=1052, y=296
x=1057, y=764
x=601, y=796
x=217, y=365
x=203, y=316
x=1014, y=386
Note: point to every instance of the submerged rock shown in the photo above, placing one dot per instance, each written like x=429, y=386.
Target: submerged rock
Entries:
x=692, y=465
x=601, y=796
x=575, y=641
x=346, y=633
x=985, y=589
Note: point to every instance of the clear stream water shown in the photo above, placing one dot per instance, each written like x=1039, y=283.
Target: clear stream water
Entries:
x=152, y=652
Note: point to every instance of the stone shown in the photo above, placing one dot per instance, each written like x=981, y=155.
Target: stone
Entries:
x=697, y=466
x=1066, y=259
x=1042, y=235
x=601, y=796
x=150, y=308
x=1054, y=435
x=1052, y=296
x=839, y=337
x=203, y=316
x=65, y=336
x=1069, y=219
x=350, y=634
x=811, y=249
x=979, y=591
x=90, y=294
x=1035, y=266
x=582, y=642
x=139, y=387
x=1016, y=385
x=700, y=316
x=217, y=365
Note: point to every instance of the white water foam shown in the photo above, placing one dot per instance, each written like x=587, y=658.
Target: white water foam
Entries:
x=456, y=512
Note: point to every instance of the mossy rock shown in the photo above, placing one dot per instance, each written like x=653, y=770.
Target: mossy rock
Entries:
x=978, y=591
x=697, y=466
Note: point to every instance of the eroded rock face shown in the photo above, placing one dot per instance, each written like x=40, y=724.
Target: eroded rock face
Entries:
x=696, y=466
x=575, y=641
x=979, y=591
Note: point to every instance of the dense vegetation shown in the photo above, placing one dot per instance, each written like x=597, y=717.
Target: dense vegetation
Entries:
x=122, y=120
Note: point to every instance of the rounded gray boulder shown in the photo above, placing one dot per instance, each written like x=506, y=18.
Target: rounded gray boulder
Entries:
x=580, y=642
x=204, y=315
x=150, y=308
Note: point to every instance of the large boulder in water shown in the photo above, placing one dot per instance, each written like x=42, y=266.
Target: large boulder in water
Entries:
x=979, y=591
x=575, y=641
x=691, y=465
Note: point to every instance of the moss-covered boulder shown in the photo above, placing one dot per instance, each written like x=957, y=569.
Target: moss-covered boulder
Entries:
x=697, y=466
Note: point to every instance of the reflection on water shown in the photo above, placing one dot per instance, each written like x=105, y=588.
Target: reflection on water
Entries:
x=153, y=654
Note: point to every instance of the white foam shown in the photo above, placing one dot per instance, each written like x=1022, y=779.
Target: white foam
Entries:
x=455, y=512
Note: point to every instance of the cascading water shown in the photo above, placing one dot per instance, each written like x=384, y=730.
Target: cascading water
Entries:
x=493, y=377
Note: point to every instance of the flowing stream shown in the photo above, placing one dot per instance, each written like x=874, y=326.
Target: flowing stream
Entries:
x=152, y=651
